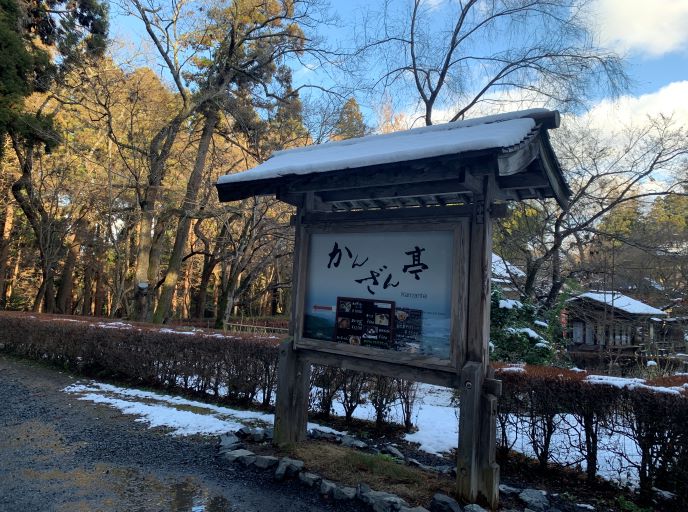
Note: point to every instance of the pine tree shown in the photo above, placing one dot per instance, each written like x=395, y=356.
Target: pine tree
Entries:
x=350, y=123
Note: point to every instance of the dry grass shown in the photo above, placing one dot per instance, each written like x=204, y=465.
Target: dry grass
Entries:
x=380, y=472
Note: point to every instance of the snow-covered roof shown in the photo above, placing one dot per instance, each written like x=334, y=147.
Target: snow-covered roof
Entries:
x=620, y=301
x=502, y=269
x=497, y=131
x=430, y=166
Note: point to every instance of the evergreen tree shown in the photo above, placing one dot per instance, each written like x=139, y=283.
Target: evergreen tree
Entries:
x=350, y=122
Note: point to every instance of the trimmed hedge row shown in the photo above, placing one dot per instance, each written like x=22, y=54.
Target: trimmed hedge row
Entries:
x=233, y=369
x=651, y=415
x=545, y=402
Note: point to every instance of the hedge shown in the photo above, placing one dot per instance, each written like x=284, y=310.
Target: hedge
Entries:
x=230, y=368
x=652, y=415
x=543, y=401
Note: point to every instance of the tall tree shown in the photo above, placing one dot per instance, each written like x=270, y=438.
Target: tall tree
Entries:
x=44, y=40
x=454, y=56
x=240, y=66
x=350, y=122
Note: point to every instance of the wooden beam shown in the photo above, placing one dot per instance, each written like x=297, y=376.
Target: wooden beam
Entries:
x=396, y=190
x=429, y=213
x=523, y=180
x=445, y=377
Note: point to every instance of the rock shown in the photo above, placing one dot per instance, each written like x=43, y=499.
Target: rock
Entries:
x=288, y=467
x=229, y=442
x=344, y=493
x=269, y=433
x=414, y=509
x=361, y=489
x=234, y=455
x=352, y=442
x=393, y=451
x=507, y=490
x=248, y=459
x=265, y=461
x=534, y=500
x=584, y=507
x=444, y=503
x=244, y=432
x=310, y=479
x=382, y=501
x=327, y=488
x=418, y=464
x=319, y=434
x=473, y=508
x=257, y=435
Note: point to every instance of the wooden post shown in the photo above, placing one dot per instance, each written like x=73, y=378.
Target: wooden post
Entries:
x=488, y=485
x=293, y=386
x=477, y=471
x=467, y=472
x=293, y=371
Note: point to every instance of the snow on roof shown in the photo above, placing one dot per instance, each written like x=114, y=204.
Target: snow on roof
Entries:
x=497, y=131
x=502, y=269
x=620, y=301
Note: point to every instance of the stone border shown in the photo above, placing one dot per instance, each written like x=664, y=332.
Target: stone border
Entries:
x=233, y=449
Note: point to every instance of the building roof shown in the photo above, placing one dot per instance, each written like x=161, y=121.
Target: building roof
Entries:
x=515, y=144
x=619, y=301
x=503, y=270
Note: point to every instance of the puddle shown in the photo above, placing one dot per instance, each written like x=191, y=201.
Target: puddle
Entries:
x=189, y=497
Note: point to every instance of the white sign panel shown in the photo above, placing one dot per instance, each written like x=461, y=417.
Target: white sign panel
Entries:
x=354, y=278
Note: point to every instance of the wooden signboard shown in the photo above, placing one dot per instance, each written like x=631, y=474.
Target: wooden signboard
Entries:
x=415, y=268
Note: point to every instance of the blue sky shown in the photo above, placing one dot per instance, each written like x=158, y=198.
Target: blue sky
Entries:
x=653, y=36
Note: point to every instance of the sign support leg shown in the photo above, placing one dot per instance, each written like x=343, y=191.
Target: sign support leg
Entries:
x=293, y=386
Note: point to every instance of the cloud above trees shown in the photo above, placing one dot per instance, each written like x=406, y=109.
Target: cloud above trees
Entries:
x=647, y=28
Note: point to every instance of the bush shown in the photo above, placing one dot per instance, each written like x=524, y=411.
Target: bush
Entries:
x=651, y=415
x=233, y=369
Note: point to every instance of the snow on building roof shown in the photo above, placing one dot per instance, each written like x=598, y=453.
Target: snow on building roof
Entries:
x=497, y=131
x=620, y=301
x=502, y=269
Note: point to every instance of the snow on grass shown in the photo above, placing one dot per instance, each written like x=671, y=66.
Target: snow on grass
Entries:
x=113, y=325
x=183, y=416
x=435, y=416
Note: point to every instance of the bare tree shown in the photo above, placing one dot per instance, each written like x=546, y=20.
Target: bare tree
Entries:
x=605, y=172
x=455, y=56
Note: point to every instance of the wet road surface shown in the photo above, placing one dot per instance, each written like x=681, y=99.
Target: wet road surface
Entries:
x=61, y=454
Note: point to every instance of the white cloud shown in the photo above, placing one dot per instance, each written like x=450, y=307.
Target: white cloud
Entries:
x=629, y=111
x=642, y=26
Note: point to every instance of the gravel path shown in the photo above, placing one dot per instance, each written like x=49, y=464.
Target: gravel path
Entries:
x=61, y=454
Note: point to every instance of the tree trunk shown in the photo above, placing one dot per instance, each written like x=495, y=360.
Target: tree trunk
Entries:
x=100, y=297
x=48, y=295
x=142, y=284
x=202, y=294
x=63, y=304
x=192, y=187
x=6, y=294
x=87, y=296
x=6, y=226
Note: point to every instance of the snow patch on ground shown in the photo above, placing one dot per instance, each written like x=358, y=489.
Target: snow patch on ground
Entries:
x=183, y=416
x=435, y=416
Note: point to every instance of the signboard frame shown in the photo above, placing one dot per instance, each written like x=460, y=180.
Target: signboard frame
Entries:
x=459, y=227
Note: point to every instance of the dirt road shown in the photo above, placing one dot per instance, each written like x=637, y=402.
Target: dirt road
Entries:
x=61, y=454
